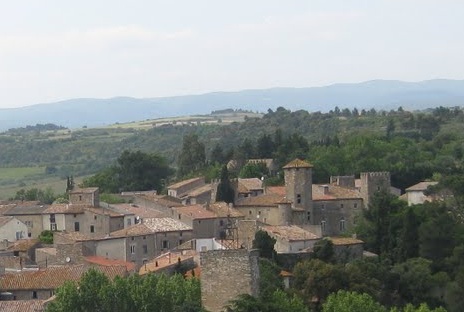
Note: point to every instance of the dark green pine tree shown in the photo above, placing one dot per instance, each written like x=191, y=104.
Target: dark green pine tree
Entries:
x=225, y=192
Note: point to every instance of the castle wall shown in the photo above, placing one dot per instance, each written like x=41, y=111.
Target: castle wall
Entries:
x=373, y=182
x=225, y=274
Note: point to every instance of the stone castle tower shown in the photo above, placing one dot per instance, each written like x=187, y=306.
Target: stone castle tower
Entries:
x=373, y=182
x=226, y=274
x=298, y=187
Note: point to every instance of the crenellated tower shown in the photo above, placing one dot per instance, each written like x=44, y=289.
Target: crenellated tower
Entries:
x=373, y=182
x=298, y=187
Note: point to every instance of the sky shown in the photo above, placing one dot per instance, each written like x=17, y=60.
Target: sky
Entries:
x=52, y=50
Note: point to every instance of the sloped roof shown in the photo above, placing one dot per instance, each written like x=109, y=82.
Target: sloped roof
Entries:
x=290, y=232
x=23, y=244
x=53, y=277
x=278, y=190
x=251, y=184
x=222, y=210
x=150, y=226
x=184, y=182
x=297, y=163
x=164, y=261
x=65, y=209
x=334, y=193
x=421, y=186
x=102, y=261
x=264, y=200
x=22, y=305
x=195, y=212
x=87, y=190
x=198, y=191
x=345, y=241
x=139, y=210
x=105, y=211
x=26, y=209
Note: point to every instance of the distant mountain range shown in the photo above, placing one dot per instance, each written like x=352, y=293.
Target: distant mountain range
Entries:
x=378, y=94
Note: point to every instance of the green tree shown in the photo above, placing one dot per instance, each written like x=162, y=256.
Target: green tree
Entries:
x=279, y=301
x=225, y=192
x=345, y=301
x=192, y=157
x=265, y=243
x=323, y=250
x=253, y=170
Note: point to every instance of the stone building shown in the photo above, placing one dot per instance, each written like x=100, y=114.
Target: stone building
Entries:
x=85, y=196
x=30, y=213
x=11, y=229
x=226, y=274
x=333, y=206
x=415, y=194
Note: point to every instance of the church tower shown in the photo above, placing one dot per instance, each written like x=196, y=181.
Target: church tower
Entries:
x=298, y=188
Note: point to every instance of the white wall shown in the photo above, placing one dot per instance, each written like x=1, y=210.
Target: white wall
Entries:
x=8, y=231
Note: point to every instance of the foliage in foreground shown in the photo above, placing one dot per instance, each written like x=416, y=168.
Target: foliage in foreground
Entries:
x=95, y=292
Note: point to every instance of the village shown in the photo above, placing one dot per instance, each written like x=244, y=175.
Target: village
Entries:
x=185, y=231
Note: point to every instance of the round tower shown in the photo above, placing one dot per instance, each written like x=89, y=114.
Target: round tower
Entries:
x=298, y=187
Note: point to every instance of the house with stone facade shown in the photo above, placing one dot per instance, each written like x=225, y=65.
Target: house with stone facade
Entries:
x=41, y=284
x=30, y=213
x=12, y=229
x=333, y=206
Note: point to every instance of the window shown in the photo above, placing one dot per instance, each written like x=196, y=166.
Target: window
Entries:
x=199, y=221
x=80, y=197
x=129, y=221
x=29, y=234
x=29, y=224
x=355, y=205
x=180, y=233
x=132, y=248
x=323, y=225
x=95, y=217
x=179, y=216
x=308, y=216
x=181, y=241
x=249, y=212
x=19, y=235
x=221, y=222
x=165, y=244
x=76, y=226
x=323, y=207
x=52, y=218
x=341, y=205
x=75, y=215
x=144, y=237
x=342, y=225
x=132, y=238
x=53, y=227
x=298, y=198
x=92, y=229
x=34, y=295
x=145, y=249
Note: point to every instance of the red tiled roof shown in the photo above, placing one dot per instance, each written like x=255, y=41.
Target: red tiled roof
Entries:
x=334, y=193
x=65, y=208
x=290, y=232
x=278, y=190
x=184, y=182
x=265, y=200
x=222, y=210
x=164, y=261
x=22, y=305
x=141, y=211
x=247, y=185
x=345, y=241
x=421, y=186
x=87, y=190
x=101, y=261
x=297, y=163
x=195, y=212
x=53, y=277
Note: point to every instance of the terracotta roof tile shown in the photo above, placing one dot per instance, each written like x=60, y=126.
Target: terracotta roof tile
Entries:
x=222, y=210
x=195, y=212
x=421, y=186
x=104, y=211
x=334, y=193
x=23, y=244
x=345, y=241
x=199, y=191
x=52, y=277
x=264, y=200
x=140, y=211
x=101, y=261
x=164, y=261
x=26, y=209
x=150, y=226
x=184, y=182
x=248, y=185
x=290, y=232
x=278, y=190
x=22, y=305
x=65, y=209
x=87, y=190
x=297, y=163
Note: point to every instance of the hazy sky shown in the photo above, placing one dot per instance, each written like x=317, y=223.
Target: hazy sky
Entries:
x=56, y=50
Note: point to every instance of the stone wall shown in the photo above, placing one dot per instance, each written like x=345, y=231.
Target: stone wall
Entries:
x=225, y=274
